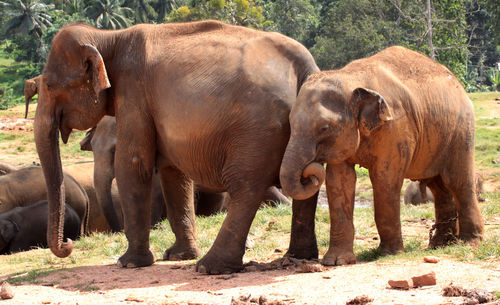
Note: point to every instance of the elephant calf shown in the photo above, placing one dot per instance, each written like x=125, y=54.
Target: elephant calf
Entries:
x=400, y=115
x=24, y=228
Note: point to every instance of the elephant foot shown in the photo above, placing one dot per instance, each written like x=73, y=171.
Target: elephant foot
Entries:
x=218, y=264
x=136, y=259
x=338, y=257
x=442, y=238
x=179, y=253
x=303, y=249
x=391, y=249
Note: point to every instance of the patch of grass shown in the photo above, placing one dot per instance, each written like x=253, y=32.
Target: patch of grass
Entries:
x=31, y=276
x=87, y=286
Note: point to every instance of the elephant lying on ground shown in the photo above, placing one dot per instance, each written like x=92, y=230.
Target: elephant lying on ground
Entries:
x=201, y=102
x=24, y=228
x=418, y=193
x=26, y=186
x=7, y=168
x=400, y=115
x=30, y=89
x=101, y=140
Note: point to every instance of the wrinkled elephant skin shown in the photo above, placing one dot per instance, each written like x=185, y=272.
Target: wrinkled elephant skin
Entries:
x=201, y=102
x=400, y=115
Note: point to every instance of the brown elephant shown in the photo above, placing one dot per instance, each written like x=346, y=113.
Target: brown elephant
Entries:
x=26, y=186
x=7, y=168
x=30, y=89
x=201, y=102
x=400, y=115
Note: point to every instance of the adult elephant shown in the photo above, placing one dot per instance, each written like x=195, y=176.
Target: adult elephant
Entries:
x=23, y=228
x=398, y=114
x=25, y=186
x=203, y=101
x=30, y=89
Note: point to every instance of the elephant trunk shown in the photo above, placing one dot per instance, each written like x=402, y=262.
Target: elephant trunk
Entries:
x=27, y=107
x=300, y=177
x=46, y=128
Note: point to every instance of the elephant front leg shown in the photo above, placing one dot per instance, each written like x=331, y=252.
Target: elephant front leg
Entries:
x=386, y=201
x=179, y=194
x=303, y=244
x=134, y=170
x=340, y=187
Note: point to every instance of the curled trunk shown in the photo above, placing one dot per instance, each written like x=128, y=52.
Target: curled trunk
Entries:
x=300, y=177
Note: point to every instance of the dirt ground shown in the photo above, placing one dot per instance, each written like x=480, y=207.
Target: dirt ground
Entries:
x=178, y=283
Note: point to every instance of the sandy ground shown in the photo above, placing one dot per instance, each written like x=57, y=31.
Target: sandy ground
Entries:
x=178, y=283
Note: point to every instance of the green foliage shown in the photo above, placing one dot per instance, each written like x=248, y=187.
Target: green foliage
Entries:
x=109, y=14
x=352, y=30
x=238, y=12
x=297, y=19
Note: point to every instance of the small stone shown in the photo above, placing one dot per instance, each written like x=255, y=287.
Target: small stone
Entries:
x=360, y=300
x=6, y=291
x=431, y=259
x=132, y=298
x=428, y=279
x=309, y=268
x=400, y=284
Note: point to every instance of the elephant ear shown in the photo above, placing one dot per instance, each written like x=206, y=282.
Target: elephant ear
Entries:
x=372, y=109
x=8, y=230
x=100, y=79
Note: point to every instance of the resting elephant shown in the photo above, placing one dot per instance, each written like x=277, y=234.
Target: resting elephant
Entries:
x=102, y=141
x=24, y=228
x=27, y=185
x=30, y=89
x=400, y=115
x=6, y=168
x=201, y=102
x=417, y=192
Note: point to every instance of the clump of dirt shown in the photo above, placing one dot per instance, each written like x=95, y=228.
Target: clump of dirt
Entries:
x=289, y=263
x=472, y=296
x=261, y=300
x=360, y=300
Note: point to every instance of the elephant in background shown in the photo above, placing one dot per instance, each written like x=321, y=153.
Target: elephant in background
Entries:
x=30, y=89
x=26, y=186
x=400, y=115
x=200, y=102
x=24, y=228
x=417, y=192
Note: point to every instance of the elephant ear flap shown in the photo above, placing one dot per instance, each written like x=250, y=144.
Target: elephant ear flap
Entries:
x=372, y=109
x=86, y=142
x=8, y=231
x=100, y=79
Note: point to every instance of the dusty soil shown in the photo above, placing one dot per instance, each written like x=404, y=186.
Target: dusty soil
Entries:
x=297, y=283
x=178, y=283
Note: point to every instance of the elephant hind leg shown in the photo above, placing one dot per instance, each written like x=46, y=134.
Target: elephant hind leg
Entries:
x=179, y=195
x=470, y=221
x=226, y=254
x=446, y=214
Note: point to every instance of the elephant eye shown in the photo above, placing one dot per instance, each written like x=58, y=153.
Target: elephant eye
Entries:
x=324, y=128
x=86, y=66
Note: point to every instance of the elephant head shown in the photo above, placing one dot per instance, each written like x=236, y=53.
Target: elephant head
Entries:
x=101, y=140
x=8, y=230
x=326, y=124
x=30, y=89
x=71, y=96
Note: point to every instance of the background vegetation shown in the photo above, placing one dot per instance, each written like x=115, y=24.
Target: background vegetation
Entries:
x=462, y=34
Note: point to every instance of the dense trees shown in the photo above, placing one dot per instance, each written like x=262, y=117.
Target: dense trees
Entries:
x=462, y=34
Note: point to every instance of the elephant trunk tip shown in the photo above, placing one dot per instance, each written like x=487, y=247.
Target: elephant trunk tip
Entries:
x=62, y=249
x=312, y=177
